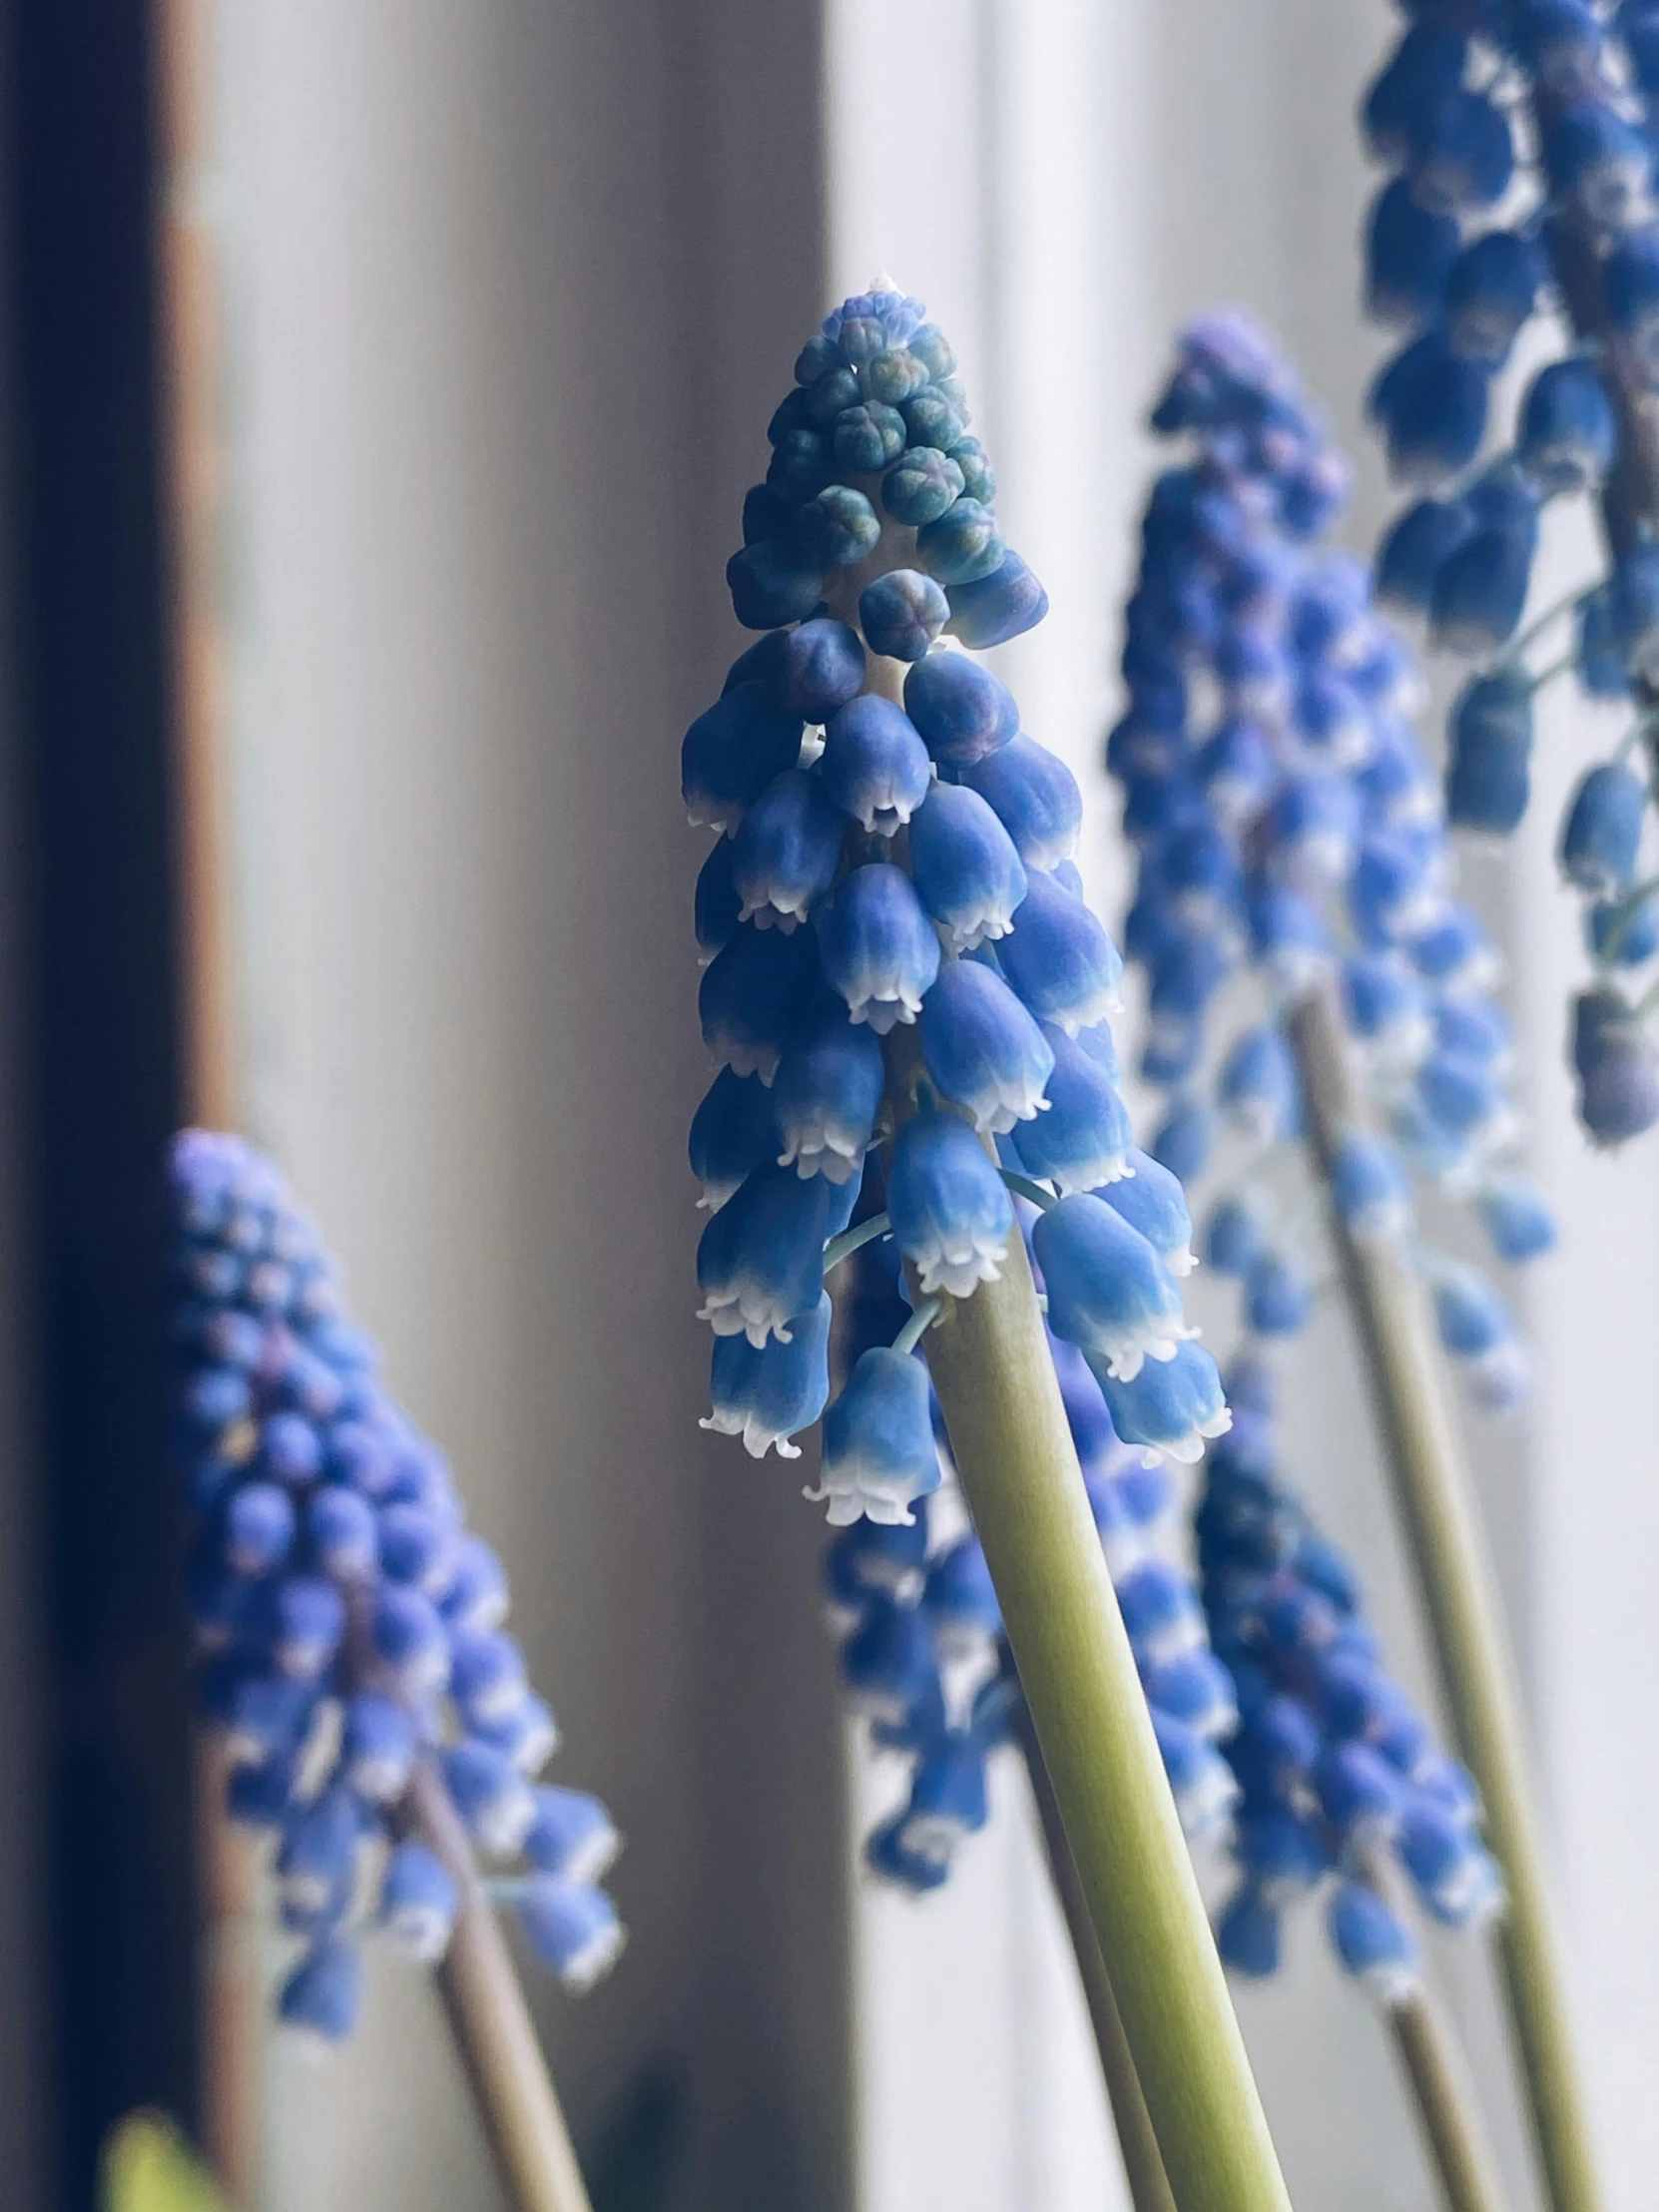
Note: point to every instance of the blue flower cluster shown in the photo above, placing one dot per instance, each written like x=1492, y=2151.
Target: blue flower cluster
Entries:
x=923, y=1654
x=896, y=941
x=1333, y=1764
x=1288, y=831
x=346, y=1623
x=1522, y=139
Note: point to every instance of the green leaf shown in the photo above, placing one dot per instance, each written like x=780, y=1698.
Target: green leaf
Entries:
x=147, y=2167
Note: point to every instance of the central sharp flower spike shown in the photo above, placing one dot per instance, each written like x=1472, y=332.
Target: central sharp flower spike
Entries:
x=907, y=994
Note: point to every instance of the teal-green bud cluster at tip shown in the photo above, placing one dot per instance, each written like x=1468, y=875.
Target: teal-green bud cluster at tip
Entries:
x=1464, y=252
x=1291, y=834
x=348, y=1625
x=897, y=954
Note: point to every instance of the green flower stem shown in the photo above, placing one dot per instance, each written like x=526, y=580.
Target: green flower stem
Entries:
x=1404, y=1370
x=491, y=2023
x=1143, y=2164
x=989, y=1359
x=854, y=1240
x=1438, y=2073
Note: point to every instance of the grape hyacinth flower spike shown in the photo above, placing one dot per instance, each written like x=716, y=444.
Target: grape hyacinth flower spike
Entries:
x=376, y=1719
x=1342, y=1792
x=951, y=931
x=1287, y=823
x=1570, y=92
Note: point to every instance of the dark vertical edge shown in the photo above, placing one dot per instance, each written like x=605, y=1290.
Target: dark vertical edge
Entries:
x=97, y=1084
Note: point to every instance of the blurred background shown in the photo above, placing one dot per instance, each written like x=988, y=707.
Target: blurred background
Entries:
x=506, y=294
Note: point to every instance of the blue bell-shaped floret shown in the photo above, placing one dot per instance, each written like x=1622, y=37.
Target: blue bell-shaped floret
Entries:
x=1059, y=958
x=1195, y=1690
x=921, y=485
x=826, y=1097
x=962, y=711
x=889, y=1859
x=323, y=1994
x=1108, y=1291
x=410, y=1641
x=1634, y=609
x=760, y=1261
x=1600, y=163
x=1248, y=1934
x=1481, y=589
x=1489, y=780
x=1255, y=671
x=1372, y=1945
x=1236, y=1231
x=1491, y=290
x=734, y=1130
x=901, y=614
x=1330, y=726
x=1237, y=771
x=951, y=1215
x=982, y=1048
x=1185, y=1138
x=767, y=1396
x=1569, y=433
x=1603, y=829
x=1516, y=1219
x=491, y=1796
x=753, y=993
x=889, y=1665
x=821, y=666
x=476, y=1596
x=1430, y=404
x=1623, y=932
x=1035, y=798
x=947, y=1798
x=967, y=873
x=961, y=1599
x=1169, y=1405
x=1161, y=1613
x=488, y=1679
x=997, y=607
x=1617, y=1068
x=1475, y=1029
x=1370, y=1189
x=870, y=1558
x=1455, y=954
x=1082, y=1140
x=379, y=1743
x=571, y=1835
x=1476, y=1328
x=1278, y=1301
x=418, y=1902
x=874, y=765
x=1282, y=1851
x=260, y=1524
x=877, y=946
x=571, y=1927
x=732, y=752
x=1409, y=253
x=1561, y=44
x=1199, y=1778
x=1086, y=1414
x=1417, y=548
x=305, y=1624
x=1462, y=157
x=716, y=905
x=1358, y=1792
x=1311, y=831
x=787, y=850
x=1153, y=1201
x=1256, y=1088
x=838, y=528
x=1397, y=888
x=1288, y=934
x=1455, y=1875
x=879, y=1449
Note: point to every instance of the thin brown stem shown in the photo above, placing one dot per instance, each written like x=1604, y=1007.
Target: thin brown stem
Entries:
x=493, y=2032
x=1424, y=1456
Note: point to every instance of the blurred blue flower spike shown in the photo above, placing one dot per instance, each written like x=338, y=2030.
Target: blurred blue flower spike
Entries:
x=348, y=1625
